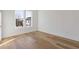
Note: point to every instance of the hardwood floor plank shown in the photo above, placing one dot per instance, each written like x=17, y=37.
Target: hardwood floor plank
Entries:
x=38, y=40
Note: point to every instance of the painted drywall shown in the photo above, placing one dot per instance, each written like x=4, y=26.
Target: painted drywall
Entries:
x=9, y=24
x=63, y=23
x=0, y=25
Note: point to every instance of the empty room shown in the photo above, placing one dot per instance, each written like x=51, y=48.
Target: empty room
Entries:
x=39, y=29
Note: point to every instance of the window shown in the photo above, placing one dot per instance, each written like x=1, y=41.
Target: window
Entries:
x=19, y=17
x=28, y=18
x=23, y=17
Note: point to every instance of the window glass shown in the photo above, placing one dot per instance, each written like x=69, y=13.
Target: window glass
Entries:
x=28, y=13
x=19, y=13
x=23, y=17
x=28, y=18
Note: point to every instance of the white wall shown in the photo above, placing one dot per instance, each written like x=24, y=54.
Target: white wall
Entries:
x=9, y=24
x=0, y=25
x=63, y=23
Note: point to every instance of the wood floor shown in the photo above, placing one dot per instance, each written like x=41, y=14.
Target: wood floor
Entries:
x=38, y=40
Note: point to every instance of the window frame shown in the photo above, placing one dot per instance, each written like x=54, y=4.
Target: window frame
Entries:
x=24, y=25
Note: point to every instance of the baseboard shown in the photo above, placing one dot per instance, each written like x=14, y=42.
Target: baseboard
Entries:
x=39, y=31
x=11, y=38
x=58, y=36
x=16, y=35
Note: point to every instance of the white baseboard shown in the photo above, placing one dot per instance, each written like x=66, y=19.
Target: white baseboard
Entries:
x=60, y=35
